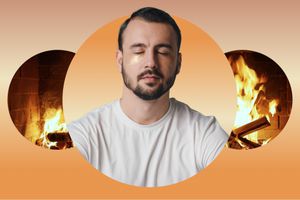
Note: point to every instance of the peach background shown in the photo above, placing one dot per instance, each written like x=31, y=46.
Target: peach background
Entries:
x=30, y=27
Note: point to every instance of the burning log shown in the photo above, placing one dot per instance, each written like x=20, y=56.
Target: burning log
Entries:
x=55, y=137
x=251, y=127
x=237, y=140
x=249, y=143
x=60, y=140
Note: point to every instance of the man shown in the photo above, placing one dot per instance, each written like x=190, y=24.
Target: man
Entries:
x=146, y=138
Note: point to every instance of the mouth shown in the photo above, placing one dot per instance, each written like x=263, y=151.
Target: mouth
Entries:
x=150, y=77
x=150, y=81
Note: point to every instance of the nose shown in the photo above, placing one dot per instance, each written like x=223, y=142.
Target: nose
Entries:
x=150, y=59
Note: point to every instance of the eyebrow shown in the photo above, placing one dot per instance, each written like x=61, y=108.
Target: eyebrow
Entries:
x=164, y=45
x=136, y=45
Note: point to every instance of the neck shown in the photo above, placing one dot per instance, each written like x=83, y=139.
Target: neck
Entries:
x=143, y=111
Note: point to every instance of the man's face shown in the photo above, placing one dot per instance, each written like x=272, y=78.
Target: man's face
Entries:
x=150, y=60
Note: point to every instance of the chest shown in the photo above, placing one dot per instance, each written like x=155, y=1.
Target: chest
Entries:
x=148, y=157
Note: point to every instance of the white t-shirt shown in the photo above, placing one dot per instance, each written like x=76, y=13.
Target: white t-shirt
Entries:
x=170, y=150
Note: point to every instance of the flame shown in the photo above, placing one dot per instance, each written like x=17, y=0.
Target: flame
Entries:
x=251, y=99
x=54, y=123
x=272, y=106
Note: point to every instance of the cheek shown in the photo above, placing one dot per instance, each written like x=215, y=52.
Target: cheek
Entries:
x=134, y=60
x=132, y=65
x=130, y=70
x=169, y=68
x=167, y=61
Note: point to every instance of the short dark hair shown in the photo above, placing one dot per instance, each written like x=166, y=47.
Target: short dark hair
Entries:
x=150, y=14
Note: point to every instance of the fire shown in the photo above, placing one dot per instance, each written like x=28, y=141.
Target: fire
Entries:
x=272, y=106
x=252, y=103
x=49, y=130
x=54, y=123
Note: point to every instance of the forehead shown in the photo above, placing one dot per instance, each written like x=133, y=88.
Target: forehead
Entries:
x=149, y=33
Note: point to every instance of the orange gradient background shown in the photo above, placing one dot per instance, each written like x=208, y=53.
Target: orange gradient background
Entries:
x=268, y=27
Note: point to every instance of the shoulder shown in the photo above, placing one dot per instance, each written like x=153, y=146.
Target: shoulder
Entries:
x=208, y=136
x=204, y=125
x=185, y=111
x=101, y=111
x=86, y=131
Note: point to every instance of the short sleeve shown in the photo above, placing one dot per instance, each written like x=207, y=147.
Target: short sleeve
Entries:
x=77, y=132
x=210, y=140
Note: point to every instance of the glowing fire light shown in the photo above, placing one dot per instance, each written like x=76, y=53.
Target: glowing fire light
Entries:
x=250, y=94
x=272, y=106
x=54, y=123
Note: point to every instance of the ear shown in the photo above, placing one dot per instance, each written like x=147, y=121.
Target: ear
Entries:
x=119, y=59
x=179, y=59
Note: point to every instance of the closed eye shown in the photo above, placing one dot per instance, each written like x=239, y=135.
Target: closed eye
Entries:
x=138, y=48
x=164, y=52
x=164, y=49
x=138, y=52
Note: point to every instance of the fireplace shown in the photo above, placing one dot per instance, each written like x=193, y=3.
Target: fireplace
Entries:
x=35, y=99
x=264, y=99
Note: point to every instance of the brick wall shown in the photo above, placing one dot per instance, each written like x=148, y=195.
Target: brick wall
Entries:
x=23, y=98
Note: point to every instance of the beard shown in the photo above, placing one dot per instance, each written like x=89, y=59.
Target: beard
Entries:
x=145, y=93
